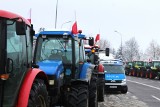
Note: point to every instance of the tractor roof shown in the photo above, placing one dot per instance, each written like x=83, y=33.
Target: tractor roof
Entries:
x=10, y=15
x=56, y=32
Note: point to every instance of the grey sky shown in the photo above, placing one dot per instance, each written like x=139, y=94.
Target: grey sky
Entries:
x=131, y=18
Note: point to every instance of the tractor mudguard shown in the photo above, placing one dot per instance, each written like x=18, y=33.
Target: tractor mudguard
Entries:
x=27, y=85
x=51, y=67
x=86, y=71
x=79, y=81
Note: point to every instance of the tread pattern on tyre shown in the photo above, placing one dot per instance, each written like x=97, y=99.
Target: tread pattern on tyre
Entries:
x=78, y=96
x=38, y=89
x=100, y=90
x=93, y=92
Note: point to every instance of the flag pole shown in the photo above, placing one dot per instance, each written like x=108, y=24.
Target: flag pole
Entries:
x=30, y=13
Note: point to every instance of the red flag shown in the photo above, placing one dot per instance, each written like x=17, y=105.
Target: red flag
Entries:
x=97, y=37
x=74, y=28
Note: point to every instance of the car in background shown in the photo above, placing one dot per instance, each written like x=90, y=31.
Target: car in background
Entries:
x=115, y=78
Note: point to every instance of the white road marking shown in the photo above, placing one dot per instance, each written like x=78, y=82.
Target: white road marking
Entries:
x=144, y=84
x=156, y=97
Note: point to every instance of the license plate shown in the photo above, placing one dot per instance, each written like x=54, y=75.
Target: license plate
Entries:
x=112, y=86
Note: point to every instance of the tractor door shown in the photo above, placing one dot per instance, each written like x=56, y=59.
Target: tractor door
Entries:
x=79, y=57
x=16, y=59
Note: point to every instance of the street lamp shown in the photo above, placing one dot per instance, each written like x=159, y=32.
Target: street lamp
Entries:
x=65, y=23
x=121, y=40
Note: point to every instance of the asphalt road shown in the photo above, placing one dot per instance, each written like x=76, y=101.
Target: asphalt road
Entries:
x=141, y=93
x=146, y=90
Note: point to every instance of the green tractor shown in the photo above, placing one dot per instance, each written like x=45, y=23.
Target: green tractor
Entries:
x=137, y=66
x=154, y=71
x=128, y=68
x=145, y=69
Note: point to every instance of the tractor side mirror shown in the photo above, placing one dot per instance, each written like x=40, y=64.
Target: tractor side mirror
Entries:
x=91, y=41
x=107, y=51
x=20, y=28
x=32, y=33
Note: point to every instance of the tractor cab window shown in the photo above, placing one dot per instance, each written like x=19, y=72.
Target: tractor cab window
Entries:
x=77, y=52
x=82, y=52
x=16, y=48
x=54, y=48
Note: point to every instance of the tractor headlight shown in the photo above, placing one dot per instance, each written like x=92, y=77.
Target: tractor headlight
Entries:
x=51, y=82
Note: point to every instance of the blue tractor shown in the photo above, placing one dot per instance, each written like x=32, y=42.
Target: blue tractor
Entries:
x=61, y=55
x=92, y=53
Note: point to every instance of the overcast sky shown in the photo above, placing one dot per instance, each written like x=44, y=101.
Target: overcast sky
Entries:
x=131, y=18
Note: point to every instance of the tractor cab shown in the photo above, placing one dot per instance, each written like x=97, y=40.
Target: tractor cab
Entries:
x=15, y=55
x=60, y=49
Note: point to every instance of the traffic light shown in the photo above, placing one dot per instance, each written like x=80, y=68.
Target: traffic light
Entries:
x=107, y=51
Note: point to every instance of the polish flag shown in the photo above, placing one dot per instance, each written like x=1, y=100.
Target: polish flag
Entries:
x=97, y=38
x=74, y=28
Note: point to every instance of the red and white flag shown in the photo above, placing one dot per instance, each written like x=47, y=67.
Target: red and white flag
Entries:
x=97, y=38
x=74, y=28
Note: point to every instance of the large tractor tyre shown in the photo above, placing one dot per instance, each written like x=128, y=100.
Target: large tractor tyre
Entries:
x=151, y=75
x=93, y=93
x=78, y=96
x=100, y=90
x=130, y=73
x=147, y=75
x=124, y=90
x=138, y=74
x=38, y=95
x=134, y=73
x=142, y=74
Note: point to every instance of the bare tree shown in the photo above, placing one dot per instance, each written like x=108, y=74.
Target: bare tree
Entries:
x=41, y=29
x=104, y=44
x=153, y=51
x=131, y=50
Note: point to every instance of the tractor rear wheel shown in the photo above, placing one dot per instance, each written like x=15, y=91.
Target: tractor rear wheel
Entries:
x=78, y=96
x=93, y=92
x=151, y=75
x=100, y=90
x=38, y=95
x=142, y=74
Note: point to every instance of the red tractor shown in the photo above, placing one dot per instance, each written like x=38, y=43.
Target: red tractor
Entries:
x=22, y=84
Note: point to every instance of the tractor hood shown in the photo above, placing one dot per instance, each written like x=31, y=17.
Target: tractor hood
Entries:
x=51, y=67
x=114, y=76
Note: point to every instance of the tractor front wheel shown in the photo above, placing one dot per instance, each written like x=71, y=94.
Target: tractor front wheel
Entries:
x=38, y=95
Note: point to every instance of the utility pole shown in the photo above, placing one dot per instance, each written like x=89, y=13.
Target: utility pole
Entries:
x=56, y=14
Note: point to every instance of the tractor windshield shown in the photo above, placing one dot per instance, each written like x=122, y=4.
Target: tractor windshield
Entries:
x=156, y=64
x=54, y=48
